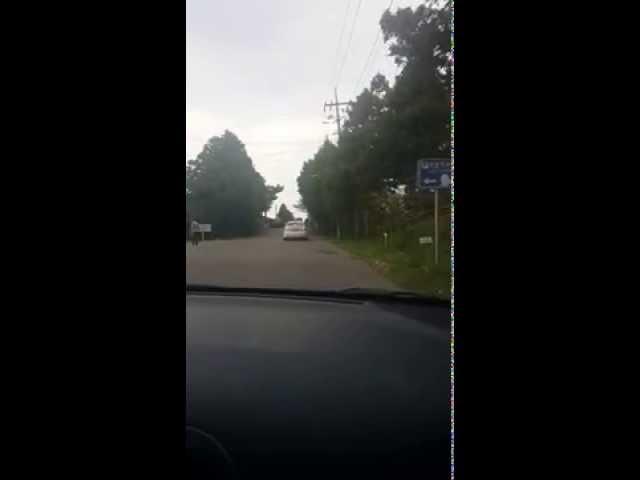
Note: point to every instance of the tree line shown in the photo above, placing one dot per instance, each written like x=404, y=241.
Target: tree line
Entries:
x=367, y=180
x=224, y=189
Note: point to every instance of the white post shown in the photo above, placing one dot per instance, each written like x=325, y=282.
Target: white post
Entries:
x=435, y=240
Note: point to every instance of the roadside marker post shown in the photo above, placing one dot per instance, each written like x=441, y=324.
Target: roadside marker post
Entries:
x=426, y=241
x=204, y=227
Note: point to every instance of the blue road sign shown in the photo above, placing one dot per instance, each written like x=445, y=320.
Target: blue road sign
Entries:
x=434, y=173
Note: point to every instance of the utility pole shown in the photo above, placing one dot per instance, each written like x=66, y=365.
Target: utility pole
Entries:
x=337, y=106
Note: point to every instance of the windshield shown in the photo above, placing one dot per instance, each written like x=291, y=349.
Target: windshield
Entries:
x=318, y=145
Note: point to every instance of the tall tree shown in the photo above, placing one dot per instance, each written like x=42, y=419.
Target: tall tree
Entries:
x=387, y=129
x=419, y=110
x=284, y=214
x=224, y=189
x=323, y=189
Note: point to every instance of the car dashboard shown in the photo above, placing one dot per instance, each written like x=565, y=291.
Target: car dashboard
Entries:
x=305, y=387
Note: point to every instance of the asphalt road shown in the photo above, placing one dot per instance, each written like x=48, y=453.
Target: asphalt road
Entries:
x=270, y=262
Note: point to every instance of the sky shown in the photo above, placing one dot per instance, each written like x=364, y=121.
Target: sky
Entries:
x=263, y=69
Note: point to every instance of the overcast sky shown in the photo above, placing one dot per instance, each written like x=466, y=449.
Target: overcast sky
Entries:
x=264, y=68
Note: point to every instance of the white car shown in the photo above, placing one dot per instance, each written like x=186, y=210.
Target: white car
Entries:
x=295, y=230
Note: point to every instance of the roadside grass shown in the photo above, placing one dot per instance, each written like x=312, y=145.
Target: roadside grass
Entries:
x=404, y=261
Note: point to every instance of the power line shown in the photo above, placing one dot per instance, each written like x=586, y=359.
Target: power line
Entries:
x=376, y=61
x=346, y=52
x=370, y=56
x=366, y=65
x=344, y=24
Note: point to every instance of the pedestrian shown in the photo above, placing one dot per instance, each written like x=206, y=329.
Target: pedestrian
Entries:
x=194, y=233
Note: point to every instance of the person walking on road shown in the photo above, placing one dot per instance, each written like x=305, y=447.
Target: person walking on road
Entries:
x=194, y=232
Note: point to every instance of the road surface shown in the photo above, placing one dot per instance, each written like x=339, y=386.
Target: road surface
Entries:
x=268, y=261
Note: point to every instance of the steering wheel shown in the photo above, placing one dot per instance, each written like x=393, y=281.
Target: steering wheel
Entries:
x=206, y=457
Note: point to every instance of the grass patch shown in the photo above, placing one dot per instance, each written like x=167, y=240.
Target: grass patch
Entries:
x=405, y=262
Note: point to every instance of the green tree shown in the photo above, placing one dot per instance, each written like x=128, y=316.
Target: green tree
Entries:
x=418, y=123
x=284, y=214
x=387, y=129
x=224, y=189
x=323, y=188
x=362, y=152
